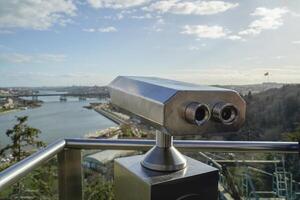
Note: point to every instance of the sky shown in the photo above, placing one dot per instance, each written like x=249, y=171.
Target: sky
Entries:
x=90, y=42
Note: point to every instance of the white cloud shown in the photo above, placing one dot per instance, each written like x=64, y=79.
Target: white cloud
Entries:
x=157, y=26
x=102, y=30
x=160, y=21
x=235, y=37
x=16, y=58
x=191, y=7
x=51, y=57
x=90, y=30
x=269, y=19
x=6, y=32
x=296, y=42
x=210, y=32
x=35, y=14
x=250, y=58
x=116, y=4
x=193, y=48
x=146, y=16
x=204, y=31
x=279, y=57
x=124, y=13
x=107, y=17
x=26, y=58
x=108, y=29
x=120, y=15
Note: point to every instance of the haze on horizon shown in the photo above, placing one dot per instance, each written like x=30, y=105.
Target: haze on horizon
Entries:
x=89, y=42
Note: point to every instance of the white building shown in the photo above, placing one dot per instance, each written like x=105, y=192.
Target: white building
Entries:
x=99, y=160
x=9, y=104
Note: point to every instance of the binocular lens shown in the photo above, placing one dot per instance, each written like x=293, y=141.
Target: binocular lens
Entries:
x=197, y=113
x=226, y=113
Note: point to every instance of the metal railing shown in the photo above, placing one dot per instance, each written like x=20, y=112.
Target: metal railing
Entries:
x=69, y=157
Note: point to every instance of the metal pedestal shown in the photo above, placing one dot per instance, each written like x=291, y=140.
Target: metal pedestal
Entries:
x=135, y=182
x=164, y=156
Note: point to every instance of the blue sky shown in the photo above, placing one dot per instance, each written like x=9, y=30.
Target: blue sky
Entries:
x=77, y=42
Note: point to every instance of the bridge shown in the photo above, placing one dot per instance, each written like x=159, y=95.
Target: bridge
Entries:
x=63, y=96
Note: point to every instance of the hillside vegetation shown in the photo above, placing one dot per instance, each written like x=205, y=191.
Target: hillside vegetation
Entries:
x=271, y=114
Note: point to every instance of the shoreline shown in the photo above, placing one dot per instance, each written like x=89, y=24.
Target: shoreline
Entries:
x=18, y=109
x=10, y=111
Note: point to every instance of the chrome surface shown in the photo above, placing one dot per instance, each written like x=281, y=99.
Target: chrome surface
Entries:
x=70, y=174
x=163, y=140
x=113, y=144
x=20, y=169
x=164, y=159
x=187, y=145
x=226, y=113
x=134, y=182
x=160, y=102
x=196, y=113
x=164, y=156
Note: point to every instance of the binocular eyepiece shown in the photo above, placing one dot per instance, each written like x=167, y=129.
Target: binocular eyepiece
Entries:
x=226, y=113
x=198, y=113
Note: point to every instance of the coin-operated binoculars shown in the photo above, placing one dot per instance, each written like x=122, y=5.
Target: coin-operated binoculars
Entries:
x=175, y=109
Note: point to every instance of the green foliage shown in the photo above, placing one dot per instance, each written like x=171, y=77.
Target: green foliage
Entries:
x=40, y=183
x=292, y=161
x=293, y=136
x=270, y=113
x=23, y=138
x=126, y=130
x=5, y=109
x=97, y=188
x=43, y=181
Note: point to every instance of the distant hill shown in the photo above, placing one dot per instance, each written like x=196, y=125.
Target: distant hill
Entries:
x=254, y=88
x=77, y=89
x=271, y=113
x=83, y=89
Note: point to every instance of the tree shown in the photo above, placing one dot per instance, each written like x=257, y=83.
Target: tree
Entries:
x=292, y=161
x=98, y=188
x=293, y=136
x=24, y=141
x=249, y=96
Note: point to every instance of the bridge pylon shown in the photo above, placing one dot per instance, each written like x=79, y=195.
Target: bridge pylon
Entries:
x=35, y=98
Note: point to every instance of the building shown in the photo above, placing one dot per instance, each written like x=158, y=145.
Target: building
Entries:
x=8, y=104
x=98, y=162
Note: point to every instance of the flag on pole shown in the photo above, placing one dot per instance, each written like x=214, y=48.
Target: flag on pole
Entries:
x=266, y=74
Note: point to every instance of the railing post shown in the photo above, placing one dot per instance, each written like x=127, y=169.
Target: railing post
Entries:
x=70, y=174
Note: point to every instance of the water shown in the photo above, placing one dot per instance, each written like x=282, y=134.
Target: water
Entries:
x=57, y=119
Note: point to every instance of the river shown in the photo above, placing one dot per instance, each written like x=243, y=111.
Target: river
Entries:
x=57, y=119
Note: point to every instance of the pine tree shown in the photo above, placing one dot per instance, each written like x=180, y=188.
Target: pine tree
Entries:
x=24, y=141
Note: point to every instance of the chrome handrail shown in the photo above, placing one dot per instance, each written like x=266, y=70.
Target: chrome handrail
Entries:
x=20, y=169
x=186, y=145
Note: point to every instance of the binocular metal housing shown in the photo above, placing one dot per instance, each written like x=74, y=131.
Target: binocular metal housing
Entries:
x=179, y=108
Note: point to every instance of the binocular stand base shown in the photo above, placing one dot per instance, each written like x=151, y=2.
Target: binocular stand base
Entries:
x=164, y=159
x=164, y=156
x=135, y=182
